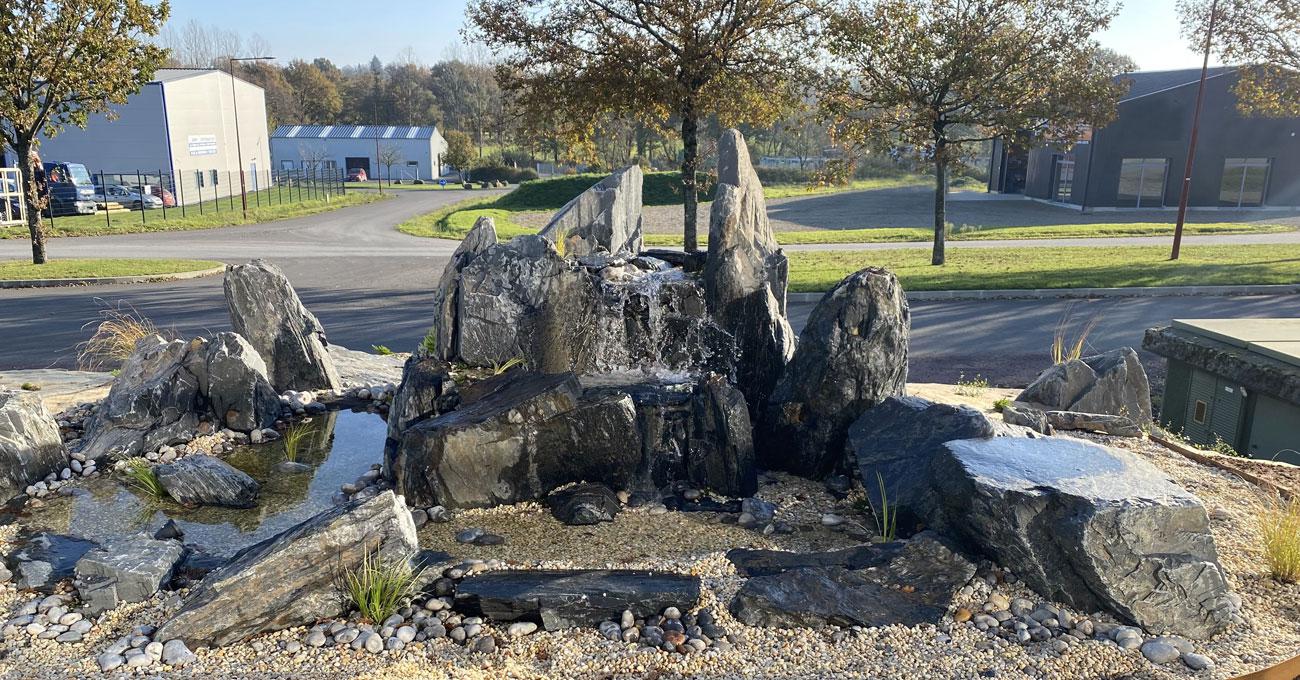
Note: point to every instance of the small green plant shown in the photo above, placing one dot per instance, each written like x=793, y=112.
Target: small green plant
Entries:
x=973, y=387
x=31, y=387
x=139, y=473
x=1223, y=448
x=1280, y=529
x=381, y=350
x=886, y=516
x=430, y=342
x=114, y=338
x=498, y=369
x=293, y=440
x=377, y=587
x=1001, y=404
x=1063, y=349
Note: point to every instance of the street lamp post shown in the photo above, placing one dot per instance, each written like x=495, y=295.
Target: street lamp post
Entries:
x=239, y=151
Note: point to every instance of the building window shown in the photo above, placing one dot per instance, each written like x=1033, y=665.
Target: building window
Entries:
x=1064, y=189
x=286, y=165
x=1198, y=413
x=331, y=165
x=1244, y=181
x=1142, y=182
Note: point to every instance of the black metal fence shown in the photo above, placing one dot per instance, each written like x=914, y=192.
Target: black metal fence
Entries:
x=160, y=195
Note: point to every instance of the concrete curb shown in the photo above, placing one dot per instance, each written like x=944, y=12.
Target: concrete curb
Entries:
x=51, y=283
x=1078, y=293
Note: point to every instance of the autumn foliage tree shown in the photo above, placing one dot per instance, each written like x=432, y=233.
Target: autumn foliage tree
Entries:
x=933, y=76
x=1263, y=37
x=651, y=60
x=62, y=60
x=460, y=151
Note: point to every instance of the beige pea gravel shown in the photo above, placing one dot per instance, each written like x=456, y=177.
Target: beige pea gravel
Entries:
x=696, y=543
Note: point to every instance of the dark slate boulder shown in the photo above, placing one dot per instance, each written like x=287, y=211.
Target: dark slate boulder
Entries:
x=852, y=355
x=1087, y=525
x=200, y=479
x=128, y=569
x=833, y=595
x=46, y=559
x=558, y=599
x=583, y=504
x=606, y=217
x=445, y=333
x=1113, y=383
x=427, y=390
x=233, y=378
x=750, y=562
x=30, y=444
x=265, y=309
x=898, y=439
x=291, y=579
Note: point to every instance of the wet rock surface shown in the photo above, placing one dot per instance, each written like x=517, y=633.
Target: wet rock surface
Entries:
x=30, y=444
x=561, y=599
x=265, y=309
x=203, y=480
x=130, y=569
x=46, y=559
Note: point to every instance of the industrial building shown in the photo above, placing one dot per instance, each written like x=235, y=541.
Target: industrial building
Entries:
x=181, y=125
x=414, y=152
x=1137, y=160
x=1235, y=381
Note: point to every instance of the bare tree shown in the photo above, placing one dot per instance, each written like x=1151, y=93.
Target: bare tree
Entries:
x=389, y=155
x=313, y=156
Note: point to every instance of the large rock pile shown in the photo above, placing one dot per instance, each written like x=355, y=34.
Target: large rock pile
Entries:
x=164, y=387
x=1107, y=392
x=30, y=445
x=265, y=309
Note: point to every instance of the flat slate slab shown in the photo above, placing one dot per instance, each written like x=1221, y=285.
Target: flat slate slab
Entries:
x=129, y=569
x=559, y=599
x=769, y=562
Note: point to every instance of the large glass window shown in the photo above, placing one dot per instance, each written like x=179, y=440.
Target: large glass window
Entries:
x=1244, y=181
x=1064, y=189
x=1142, y=182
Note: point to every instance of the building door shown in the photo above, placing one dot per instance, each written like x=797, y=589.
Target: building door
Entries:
x=1214, y=410
x=1244, y=182
x=1063, y=179
x=358, y=163
x=1142, y=182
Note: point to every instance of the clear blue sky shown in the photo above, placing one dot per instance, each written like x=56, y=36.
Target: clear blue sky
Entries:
x=350, y=32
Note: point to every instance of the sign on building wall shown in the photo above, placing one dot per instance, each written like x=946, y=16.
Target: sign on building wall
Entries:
x=203, y=145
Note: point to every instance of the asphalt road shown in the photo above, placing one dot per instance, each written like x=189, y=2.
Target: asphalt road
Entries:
x=371, y=285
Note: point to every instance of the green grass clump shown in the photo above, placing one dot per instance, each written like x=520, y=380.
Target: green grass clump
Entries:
x=22, y=270
x=1001, y=404
x=140, y=475
x=30, y=387
x=381, y=350
x=1072, y=267
x=1280, y=531
x=293, y=439
x=886, y=516
x=377, y=587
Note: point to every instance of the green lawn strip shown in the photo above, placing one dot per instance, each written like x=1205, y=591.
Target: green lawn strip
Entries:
x=263, y=207
x=872, y=184
x=429, y=185
x=1073, y=267
x=21, y=270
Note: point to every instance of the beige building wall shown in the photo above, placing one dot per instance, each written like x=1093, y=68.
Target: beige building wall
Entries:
x=201, y=127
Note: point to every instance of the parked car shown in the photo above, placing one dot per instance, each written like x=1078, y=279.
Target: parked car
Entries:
x=168, y=200
x=130, y=198
x=68, y=187
x=357, y=175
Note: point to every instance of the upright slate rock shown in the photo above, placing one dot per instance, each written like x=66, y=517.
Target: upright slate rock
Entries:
x=447, y=302
x=1113, y=383
x=605, y=217
x=852, y=356
x=291, y=579
x=899, y=439
x=200, y=479
x=571, y=599
x=30, y=444
x=129, y=569
x=235, y=382
x=265, y=309
x=745, y=274
x=1089, y=526
x=427, y=390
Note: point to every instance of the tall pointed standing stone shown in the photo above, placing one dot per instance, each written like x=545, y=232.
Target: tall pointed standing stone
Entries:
x=265, y=309
x=446, y=333
x=745, y=274
x=608, y=216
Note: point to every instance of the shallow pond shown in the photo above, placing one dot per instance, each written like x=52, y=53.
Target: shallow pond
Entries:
x=339, y=447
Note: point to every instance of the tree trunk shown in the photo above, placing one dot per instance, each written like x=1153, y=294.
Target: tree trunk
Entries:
x=32, y=196
x=940, y=201
x=690, y=163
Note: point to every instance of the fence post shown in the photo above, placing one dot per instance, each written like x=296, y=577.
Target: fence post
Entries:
x=162, y=189
x=139, y=186
x=257, y=188
x=232, y=191
x=103, y=184
x=216, y=194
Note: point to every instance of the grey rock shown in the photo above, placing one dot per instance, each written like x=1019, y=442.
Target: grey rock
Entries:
x=129, y=569
x=278, y=583
x=200, y=479
x=1197, y=662
x=606, y=217
x=569, y=599
x=265, y=309
x=1090, y=526
x=1160, y=652
x=175, y=653
x=1113, y=383
x=109, y=661
x=1024, y=415
x=445, y=345
x=45, y=560
x=1120, y=426
x=521, y=628
x=236, y=385
x=583, y=504
x=852, y=355
x=315, y=638
x=426, y=391
x=816, y=596
x=745, y=274
x=749, y=562
x=30, y=444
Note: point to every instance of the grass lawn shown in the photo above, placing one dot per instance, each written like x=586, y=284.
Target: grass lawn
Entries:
x=211, y=215
x=14, y=270
x=1075, y=267
x=429, y=185
x=910, y=180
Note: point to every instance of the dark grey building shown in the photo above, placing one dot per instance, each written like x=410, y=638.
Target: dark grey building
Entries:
x=1137, y=161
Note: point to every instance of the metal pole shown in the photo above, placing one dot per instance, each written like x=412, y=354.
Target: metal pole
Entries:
x=1196, y=129
x=239, y=151
x=162, y=189
x=103, y=183
x=139, y=186
x=180, y=192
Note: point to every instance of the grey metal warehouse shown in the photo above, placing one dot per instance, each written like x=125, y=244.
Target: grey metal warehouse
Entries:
x=334, y=149
x=1137, y=160
x=181, y=124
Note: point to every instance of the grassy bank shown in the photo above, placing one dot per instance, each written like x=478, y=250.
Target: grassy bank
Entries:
x=262, y=207
x=1075, y=267
x=21, y=270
